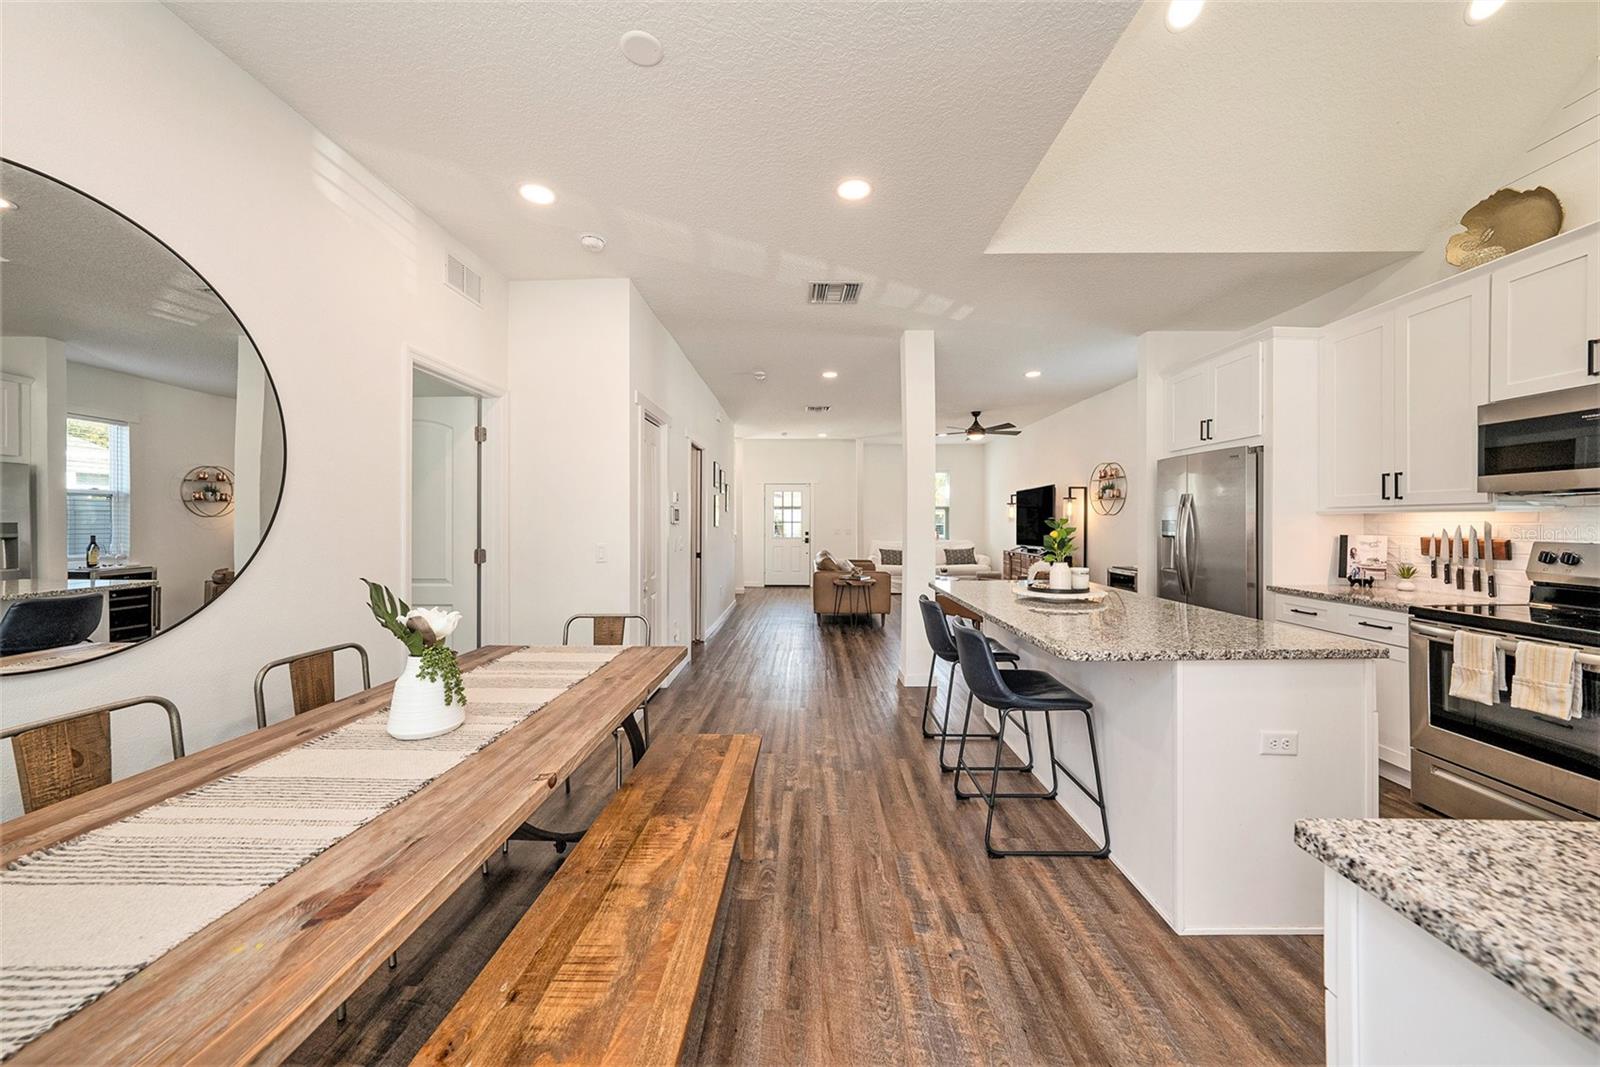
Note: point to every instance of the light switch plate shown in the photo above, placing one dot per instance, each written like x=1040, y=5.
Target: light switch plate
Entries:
x=1280, y=742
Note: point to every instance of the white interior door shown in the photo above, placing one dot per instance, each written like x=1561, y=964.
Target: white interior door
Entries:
x=444, y=509
x=697, y=462
x=788, y=525
x=650, y=518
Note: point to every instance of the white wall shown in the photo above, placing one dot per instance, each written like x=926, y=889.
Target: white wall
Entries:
x=170, y=430
x=333, y=274
x=1065, y=449
x=828, y=466
x=882, y=482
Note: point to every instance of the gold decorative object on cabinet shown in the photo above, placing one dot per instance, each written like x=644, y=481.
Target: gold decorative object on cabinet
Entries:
x=1502, y=223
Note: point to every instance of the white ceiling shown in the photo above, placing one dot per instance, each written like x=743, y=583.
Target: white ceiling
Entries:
x=87, y=277
x=712, y=175
x=1306, y=127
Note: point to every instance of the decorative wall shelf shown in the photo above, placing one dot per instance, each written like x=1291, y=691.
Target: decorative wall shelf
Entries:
x=207, y=491
x=1110, y=489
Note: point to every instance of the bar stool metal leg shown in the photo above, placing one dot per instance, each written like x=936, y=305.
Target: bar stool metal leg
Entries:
x=1025, y=765
x=1096, y=796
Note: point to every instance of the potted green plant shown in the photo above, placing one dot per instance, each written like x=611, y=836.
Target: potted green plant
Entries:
x=429, y=697
x=1059, y=544
x=1405, y=572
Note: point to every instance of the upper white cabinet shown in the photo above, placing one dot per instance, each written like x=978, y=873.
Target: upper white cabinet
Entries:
x=1545, y=319
x=13, y=394
x=1357, y=412
x=1441, y=370
x=1216, y=401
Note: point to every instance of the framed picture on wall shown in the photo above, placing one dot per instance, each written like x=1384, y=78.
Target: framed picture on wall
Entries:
x=716, y=476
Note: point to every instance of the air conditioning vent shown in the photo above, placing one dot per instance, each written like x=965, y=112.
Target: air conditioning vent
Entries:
x=817, y=409
x=463, y=279
x=835, y=292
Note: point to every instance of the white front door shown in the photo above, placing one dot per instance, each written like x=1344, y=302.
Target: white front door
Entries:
x=788, y=525
x=650, y=517
x=444, y=510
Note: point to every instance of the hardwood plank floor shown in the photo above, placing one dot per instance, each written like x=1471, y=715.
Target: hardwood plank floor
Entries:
x=870, y=926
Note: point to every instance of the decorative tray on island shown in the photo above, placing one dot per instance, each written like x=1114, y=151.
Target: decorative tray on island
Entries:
x=1041, y=591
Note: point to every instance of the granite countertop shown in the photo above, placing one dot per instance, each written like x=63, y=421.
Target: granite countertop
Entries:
x=1387, y=596
x=33, y=588
x=1132, y=626
x=1515, y=897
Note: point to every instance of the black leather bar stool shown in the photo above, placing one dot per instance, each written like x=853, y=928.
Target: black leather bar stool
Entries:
x=937, y=625
x=1017, y=692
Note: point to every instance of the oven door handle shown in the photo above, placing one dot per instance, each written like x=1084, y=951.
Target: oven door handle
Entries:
x=1445, y=633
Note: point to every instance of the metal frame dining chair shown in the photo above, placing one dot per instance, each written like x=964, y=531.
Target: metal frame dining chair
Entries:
x=936, y=615
x=69, y=754
x=311, y=679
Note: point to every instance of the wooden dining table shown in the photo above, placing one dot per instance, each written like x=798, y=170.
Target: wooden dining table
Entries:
x=251, y=986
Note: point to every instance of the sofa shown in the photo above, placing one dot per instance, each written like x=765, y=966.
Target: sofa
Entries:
x=982, y=568
x=826, y=567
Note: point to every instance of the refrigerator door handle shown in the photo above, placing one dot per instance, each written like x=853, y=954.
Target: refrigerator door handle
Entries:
x=1180, y=544
x=1189, y=537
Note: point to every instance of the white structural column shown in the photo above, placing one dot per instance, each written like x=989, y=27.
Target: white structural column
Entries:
x=917, y=429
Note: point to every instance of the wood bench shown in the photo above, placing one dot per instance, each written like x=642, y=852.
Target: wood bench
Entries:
x=611, y=962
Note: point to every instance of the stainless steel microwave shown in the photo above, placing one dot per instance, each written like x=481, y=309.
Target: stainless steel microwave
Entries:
x=1548, y=443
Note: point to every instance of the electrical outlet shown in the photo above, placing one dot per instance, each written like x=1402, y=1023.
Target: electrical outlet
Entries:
x=1280, y=742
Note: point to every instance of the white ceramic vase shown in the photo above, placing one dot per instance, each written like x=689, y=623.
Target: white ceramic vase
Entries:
x=1061, y=576
x=1405, y=585
x=417, y=708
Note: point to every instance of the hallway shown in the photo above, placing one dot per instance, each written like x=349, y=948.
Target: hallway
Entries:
x=873, y=928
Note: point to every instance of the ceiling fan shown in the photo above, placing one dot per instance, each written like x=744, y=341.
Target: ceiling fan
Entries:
x=978, y=431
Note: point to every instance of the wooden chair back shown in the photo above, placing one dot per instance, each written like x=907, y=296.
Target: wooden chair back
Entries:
x=311, y=679
x=71, y=754
x=608, y=629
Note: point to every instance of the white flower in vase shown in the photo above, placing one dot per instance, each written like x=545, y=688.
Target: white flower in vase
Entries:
x=435, y=625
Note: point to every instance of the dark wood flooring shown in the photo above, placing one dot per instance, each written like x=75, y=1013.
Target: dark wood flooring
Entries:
x=871, y=928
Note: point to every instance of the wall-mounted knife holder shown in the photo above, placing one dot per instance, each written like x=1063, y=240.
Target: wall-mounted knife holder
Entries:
x=1502, y=547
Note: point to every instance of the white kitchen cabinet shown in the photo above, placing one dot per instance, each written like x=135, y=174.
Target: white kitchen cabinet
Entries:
x=1545, y=319
x=1236, y=408
x=1217, y=401
x=1190, y=399
x=1357, y=412
x=13, y=395
x=1440, y=376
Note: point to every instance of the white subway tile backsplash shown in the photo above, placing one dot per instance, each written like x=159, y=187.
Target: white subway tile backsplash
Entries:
x=1404, y=529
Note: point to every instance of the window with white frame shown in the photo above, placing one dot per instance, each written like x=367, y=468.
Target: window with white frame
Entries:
x=941, y=505
x=98, y=496
x=788, y=513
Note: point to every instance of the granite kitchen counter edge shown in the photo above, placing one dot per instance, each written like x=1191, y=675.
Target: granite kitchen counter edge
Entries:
x=10, y=593
x=1384, y=596
x=1134, y=627
x=1514, y=897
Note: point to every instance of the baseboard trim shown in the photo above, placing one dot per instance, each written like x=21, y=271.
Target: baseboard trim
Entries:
x=1398, y=775
x=712, y=630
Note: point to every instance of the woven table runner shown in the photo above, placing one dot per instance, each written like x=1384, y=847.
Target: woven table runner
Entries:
x=82, y=917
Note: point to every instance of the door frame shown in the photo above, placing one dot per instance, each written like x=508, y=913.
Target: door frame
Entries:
x=493, y=488
x=766, y=523
x=697, y=543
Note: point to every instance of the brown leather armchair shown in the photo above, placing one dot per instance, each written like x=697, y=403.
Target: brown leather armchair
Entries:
x=824, y=593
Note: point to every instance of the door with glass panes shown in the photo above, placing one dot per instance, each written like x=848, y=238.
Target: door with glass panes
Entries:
x=788, y=534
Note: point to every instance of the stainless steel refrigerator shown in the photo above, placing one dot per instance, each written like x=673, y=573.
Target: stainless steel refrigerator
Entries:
x=1208, y=547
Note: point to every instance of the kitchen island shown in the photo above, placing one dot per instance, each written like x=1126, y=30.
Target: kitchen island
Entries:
x=1460, y=941
x=1216, y=733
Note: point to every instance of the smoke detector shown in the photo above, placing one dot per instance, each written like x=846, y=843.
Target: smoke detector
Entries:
x=592, y=241
x=835, y=292
x=760, y=375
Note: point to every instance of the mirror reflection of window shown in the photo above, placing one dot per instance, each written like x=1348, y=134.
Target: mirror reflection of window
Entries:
x=941, y=505
x=122, y=372
x=98, y=497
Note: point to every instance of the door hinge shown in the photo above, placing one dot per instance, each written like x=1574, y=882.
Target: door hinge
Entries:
x=480, y=434
x=480, y=555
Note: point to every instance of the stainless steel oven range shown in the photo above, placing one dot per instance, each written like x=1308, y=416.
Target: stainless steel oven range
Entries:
x=1484, y=761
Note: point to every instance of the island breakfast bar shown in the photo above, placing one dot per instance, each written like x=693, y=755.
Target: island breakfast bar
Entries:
x=1216, y=733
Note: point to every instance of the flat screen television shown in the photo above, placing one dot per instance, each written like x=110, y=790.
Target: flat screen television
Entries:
x=1033, y=507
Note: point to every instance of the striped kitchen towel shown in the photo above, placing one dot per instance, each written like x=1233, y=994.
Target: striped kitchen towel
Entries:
x=1547, y=680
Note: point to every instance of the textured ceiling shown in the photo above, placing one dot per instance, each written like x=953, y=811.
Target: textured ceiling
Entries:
x=712, y=175
x=87, y=277
x=1304, y=127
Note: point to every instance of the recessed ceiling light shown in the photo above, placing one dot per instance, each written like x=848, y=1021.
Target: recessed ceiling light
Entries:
x=592, y=241
x=1478, y=10
x=854, y=189
x=533, y=193
x=1182, y=13
x=641, y=48
x=6, y=205
x=1033, y=374
x=830, y=374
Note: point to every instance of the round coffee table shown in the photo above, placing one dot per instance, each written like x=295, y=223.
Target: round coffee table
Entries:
x=854, y=595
